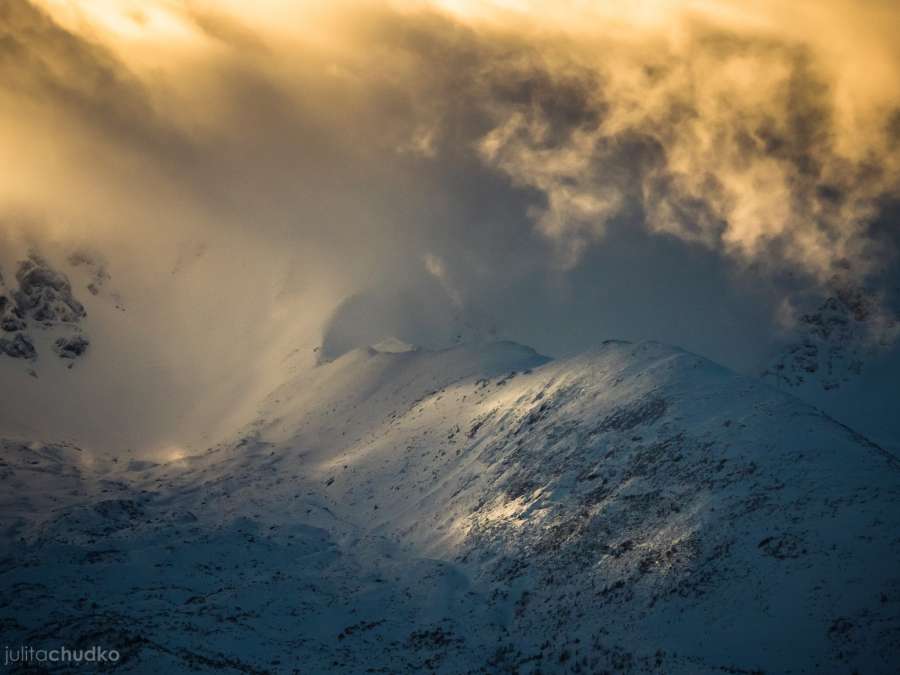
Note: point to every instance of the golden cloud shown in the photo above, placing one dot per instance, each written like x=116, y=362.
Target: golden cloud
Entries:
x=766, y=130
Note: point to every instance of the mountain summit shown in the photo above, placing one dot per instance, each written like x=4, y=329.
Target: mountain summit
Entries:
x=478, y=509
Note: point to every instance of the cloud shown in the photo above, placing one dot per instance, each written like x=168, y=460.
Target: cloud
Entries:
x=436, y=268
x=737, y=125
x=738, y=140
x=560, y=172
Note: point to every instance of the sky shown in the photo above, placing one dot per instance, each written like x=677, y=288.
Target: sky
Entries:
x=274, y=175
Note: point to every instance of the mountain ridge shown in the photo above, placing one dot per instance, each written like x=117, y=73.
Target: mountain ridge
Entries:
x=482, y=509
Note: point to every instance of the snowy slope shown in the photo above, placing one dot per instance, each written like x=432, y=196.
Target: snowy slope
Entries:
x=479, y=509
x=845, y=359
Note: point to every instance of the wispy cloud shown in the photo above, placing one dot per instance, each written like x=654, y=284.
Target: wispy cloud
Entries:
x=510, y=144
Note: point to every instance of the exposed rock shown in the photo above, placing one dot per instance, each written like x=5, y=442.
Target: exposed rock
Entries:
x=834, y=341
x=45, y=295
x=71, y=347
x=10, y=316
x=43, y=298
x=12, y=324
x=19, y=346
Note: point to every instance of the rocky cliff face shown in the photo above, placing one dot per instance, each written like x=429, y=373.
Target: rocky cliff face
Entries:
x=41, y=299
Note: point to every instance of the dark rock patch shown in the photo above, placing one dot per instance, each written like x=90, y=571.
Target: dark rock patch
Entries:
x=19, y=346
x=45, y=295
x=71, y=347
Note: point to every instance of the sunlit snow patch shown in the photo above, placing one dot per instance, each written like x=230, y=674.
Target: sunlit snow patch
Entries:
x=393, y=345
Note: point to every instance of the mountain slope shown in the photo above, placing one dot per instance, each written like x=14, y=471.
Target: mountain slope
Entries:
x=845, y=359
x=634, y=509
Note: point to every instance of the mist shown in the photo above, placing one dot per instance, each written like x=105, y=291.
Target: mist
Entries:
x=264, y=184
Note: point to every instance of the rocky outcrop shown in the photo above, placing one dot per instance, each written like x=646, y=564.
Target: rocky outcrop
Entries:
x=834, y=341
x=45, y=295
x=43, y=299
x=19, y=346
x=71, y=347
x=11, y=319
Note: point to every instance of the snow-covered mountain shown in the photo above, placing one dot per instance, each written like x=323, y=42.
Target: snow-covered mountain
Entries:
x=845, y=359
x=477, y=509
